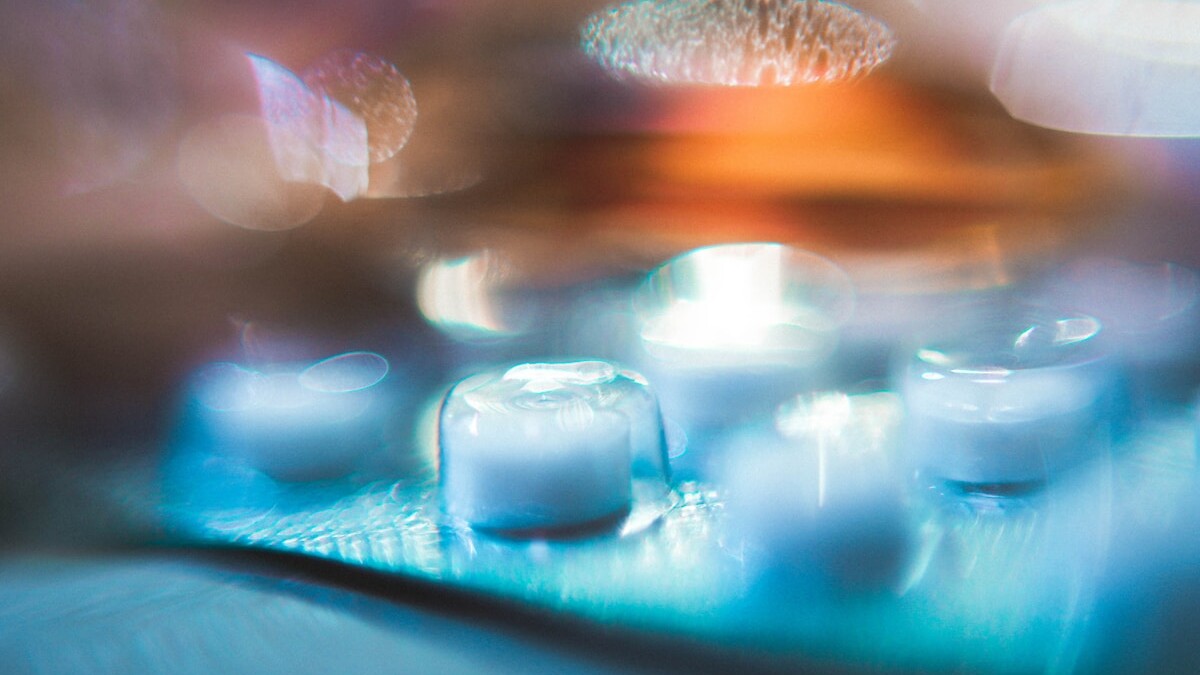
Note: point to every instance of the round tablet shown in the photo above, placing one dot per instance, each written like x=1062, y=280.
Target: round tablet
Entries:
x=299, y=421
x=1009, y=401
x=547, y=446
x=730, y=331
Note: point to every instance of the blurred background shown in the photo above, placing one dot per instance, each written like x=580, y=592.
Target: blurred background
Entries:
x=149, y=228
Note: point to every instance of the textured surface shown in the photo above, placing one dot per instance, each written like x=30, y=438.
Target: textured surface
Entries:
x=994, y=584
x=737, y=42
x=373, y=89
x=197, y=614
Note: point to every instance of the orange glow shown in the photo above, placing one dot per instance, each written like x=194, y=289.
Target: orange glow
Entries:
x=910, y=189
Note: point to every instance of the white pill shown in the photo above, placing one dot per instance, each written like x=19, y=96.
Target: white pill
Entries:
x=294, y=421
x=729, y=332
x=1128, y=68
x=822, y=503
x=1008, y=402
x=548, y=446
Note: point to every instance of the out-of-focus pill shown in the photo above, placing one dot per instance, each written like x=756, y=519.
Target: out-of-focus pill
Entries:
x=824, y=507
x=729, y=332
x=1128, y=68
x=314, y=138
x=1008, y=401
x=294, y=421
x=545, y=447
x=372, y=90
x=1150, y=311
x=228, y=167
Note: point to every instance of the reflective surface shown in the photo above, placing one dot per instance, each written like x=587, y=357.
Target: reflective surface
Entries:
x=875, y=570
x=783, y=265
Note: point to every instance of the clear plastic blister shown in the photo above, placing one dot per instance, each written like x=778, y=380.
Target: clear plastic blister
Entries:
x=899, y=574
x=966, y=516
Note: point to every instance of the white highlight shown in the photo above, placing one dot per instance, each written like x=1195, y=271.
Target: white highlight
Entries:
x=729, y=331
x=461, y=297
x=314, y=138
x=744, y=301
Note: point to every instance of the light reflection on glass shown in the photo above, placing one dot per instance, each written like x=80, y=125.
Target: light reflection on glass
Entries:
x=744, y=302
x=349, y=110
x=463, y=297
x=345, y=373
x=315, y=138
x=374, y=92
x=733, y=330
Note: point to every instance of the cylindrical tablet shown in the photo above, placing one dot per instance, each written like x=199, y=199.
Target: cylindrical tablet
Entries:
x=821, y=503
x=1008, y=402
x=730, y=331
x=547, y=446
x=294, y=421
x=1129, y=68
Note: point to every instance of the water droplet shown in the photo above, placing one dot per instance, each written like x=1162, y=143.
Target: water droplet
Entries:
x=371, y=88
x=737, y=42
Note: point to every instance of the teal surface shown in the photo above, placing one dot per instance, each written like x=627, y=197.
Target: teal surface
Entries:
x=993, y=583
